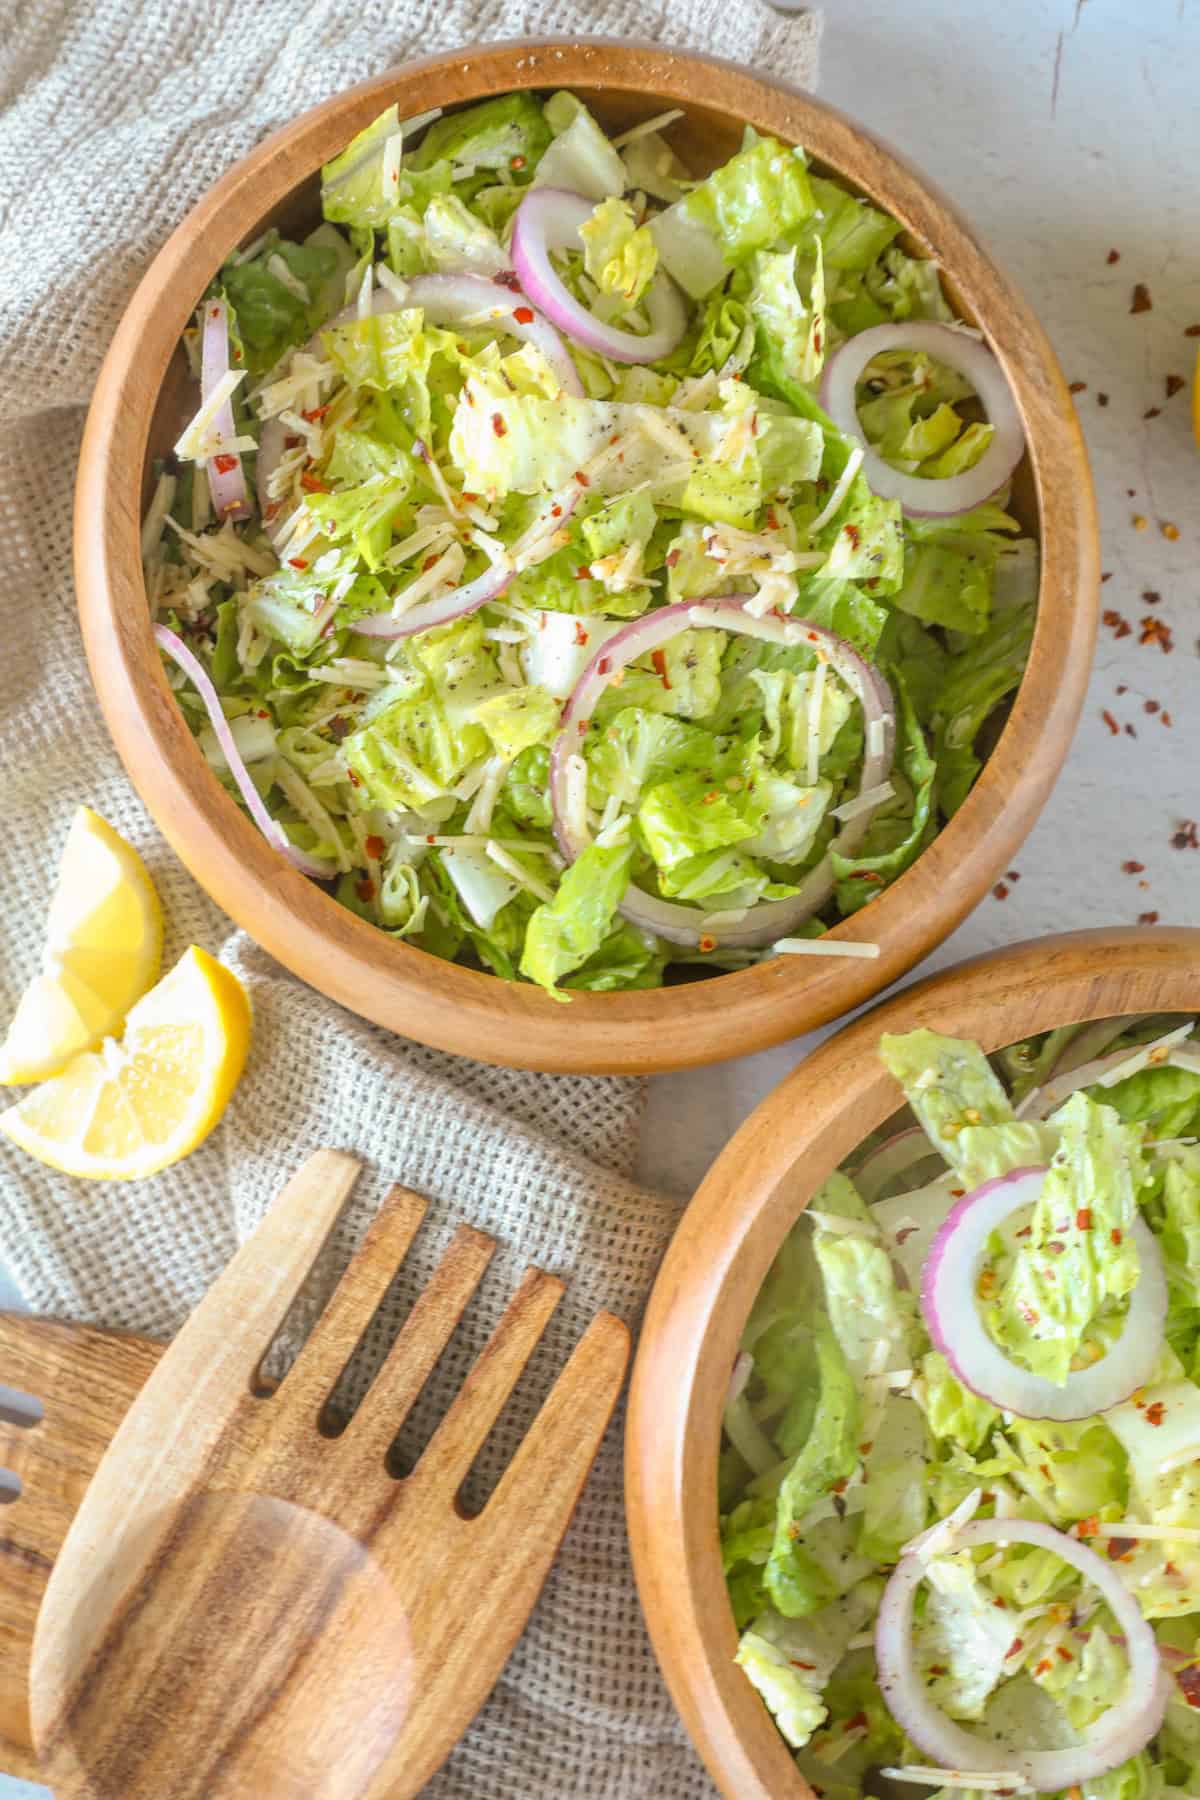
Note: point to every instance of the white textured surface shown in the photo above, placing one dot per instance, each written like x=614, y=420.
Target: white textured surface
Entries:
x=1063, y=130
x=1055, y=173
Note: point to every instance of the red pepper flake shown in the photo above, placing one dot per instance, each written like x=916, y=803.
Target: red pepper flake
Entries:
x=1150, y=706
x=1077, y=387
x=866, y=875
x=1140, y=301
x=316, y=412
x=297, y=562
x=1173, y=385
x=1045, y=1469
x=1187, y=837
x=1166, y=717
x=1030, y=1314
x=711, y=798
x=797, y=1664
x=1114, y=256
x=1111, y=723
x=310, y=484
x=1013, y=875
x=1156, y=631
x=516, y=162
x=1101, y=399
x=1119, y=1548
x=556, y=512
x=854, y=534
x=1001, y=1602
x=523, y=315
x=1147, y=918
x=355, y=781
x=1105, y=575
x=224, y=463
x=1015, y=1648
x=673, y=557
x=659, y=659
x=582, y=479
x=1154, y=1413
x=365, y=889
x=1083, y=1219
x=1152, y=412
x=581, y=636
x=374, y=847
x=498, y=425
x=1189, y=1684
x=1044, y=1667
x=938, y=1669
x=1131, y=867
x=604, y=665
x=1025, y=1231
x=1064, y=1654
x=708, y=943
x=865, y=1449
x=1116, y=624
x=583, y=572
x=1000, y=891
x=506, y=278
x=859, y=1722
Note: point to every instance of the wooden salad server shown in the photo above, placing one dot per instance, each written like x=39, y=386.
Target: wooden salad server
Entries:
x=245, y=1607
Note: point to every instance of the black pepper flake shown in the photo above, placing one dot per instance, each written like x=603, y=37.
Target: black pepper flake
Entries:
x=1114, y=256
x=1130, y=732
x=1140, y=300
x=1101, y=399
x=1152, y=412
x=1150, y=706
x=1147, y=918
x=1000, y=891
x=1187, y=837
x=1106, y=575
x=1151, y=597
x=1173, y=385
x=1013, y=875
x=1192, y=331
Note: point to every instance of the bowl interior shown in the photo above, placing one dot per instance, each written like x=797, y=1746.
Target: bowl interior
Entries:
x=145, y=394
x=715, y=1267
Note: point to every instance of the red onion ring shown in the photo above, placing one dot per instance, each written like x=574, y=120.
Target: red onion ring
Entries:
x=952, y=1317
x=1122, y=1731
x=447, y=300
x=921, y=495
x=549, y=219
x=227, y=484
x=271, y=829
x=769, y=919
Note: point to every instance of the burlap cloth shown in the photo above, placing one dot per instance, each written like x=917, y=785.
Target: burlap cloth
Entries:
x=115, y=116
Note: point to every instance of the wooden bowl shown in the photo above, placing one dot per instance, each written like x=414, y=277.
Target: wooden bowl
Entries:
x=728, y=1239
x=136, y=414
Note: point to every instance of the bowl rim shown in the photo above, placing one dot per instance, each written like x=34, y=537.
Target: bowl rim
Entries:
x=445, y=1004
x=727, y=1240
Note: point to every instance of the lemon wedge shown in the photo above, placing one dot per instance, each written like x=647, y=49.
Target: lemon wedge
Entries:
x=125, y=1111
x=103, y=950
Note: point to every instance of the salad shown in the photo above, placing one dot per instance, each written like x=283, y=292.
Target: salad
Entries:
x=960, y=1482
x=586, y=568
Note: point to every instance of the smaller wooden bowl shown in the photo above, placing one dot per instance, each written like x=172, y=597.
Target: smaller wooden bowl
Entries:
x=728, y=1239
x=140, y=405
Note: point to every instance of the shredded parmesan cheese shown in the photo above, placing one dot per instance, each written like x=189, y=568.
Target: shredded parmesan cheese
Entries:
x=1004, y=1781
x=1156, y=1534
x=659, y=122
x=824, y=946
x=841, y=488
x=867, y=801
x=504, y=859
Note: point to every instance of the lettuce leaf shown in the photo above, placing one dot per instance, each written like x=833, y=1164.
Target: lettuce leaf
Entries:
x=564, y=932
x=619, y=254
x=978, y=678
x=757, y=197
x=830, y=1454
x=509, y=133
x=793, y=1701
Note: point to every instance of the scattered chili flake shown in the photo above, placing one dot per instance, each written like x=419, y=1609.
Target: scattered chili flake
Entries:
x=338, y=728
x=1102, y=399
x=581, y=636
x=987, y=1284
x=659, y=659
x=1166, y=717
x=224, y=463
x=1025, y=1231
x=1119, y=1547
x=507, y=278
x=1114, y=256
x=1150, y=706
x=1131, y=867
x=866, y=875
x=797, y=1664
x=516, y=162
x=1000, y=891
x=374, y=847
x=604, y=665
x=1015, y=1648
x=711, y=798
x=498, y=425
x=365, y=889
x=1013, y=874
x=938, y=1669
x=1116, y=624
x=316, y=412
x=1173, y=385
x=708, y=943
x=1045, y=1469
x=1001, y=1602
x=523, y=315
x=1111, y=723
x=1154, y=1413
x=1189, y=1684
x=1140, y=301
x=865, y=1449
x=355, y=780
x=1129, y=731
x=1077, y=387
x=854, y=534
x=1083, y=1219
x=1152, y=412
x=1105, y=575
x=310, y=484
x=1116, y=1234
x=1187, y=837
x=583, y=572
x=1169, y=531
x=1030, y=1315
x=1156, y=631
x=1044, y=1667
x=1192, y=331
x=556, y=512
x=1121, y=688
x=859, y=1722
x=1147, y=918
x=1064, y=1654
x=297, y=562
x=431, y=837
x=582, y=479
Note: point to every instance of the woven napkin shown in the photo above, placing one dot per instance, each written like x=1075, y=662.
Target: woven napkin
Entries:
x=115, y=115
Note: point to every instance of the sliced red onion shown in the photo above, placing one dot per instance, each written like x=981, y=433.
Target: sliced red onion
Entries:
x=771, y=919
x=888, y=1161
x=1117, y=1735
x=274, y=833
x=226, y=477
x=948, y=1288
x=446, y=300
x=1106, y=1071
x=922, y=495
x=455, y=605
x=549, y=219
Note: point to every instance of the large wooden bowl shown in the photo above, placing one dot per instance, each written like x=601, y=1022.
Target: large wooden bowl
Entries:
x=136, y=414
x=728, y=1239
